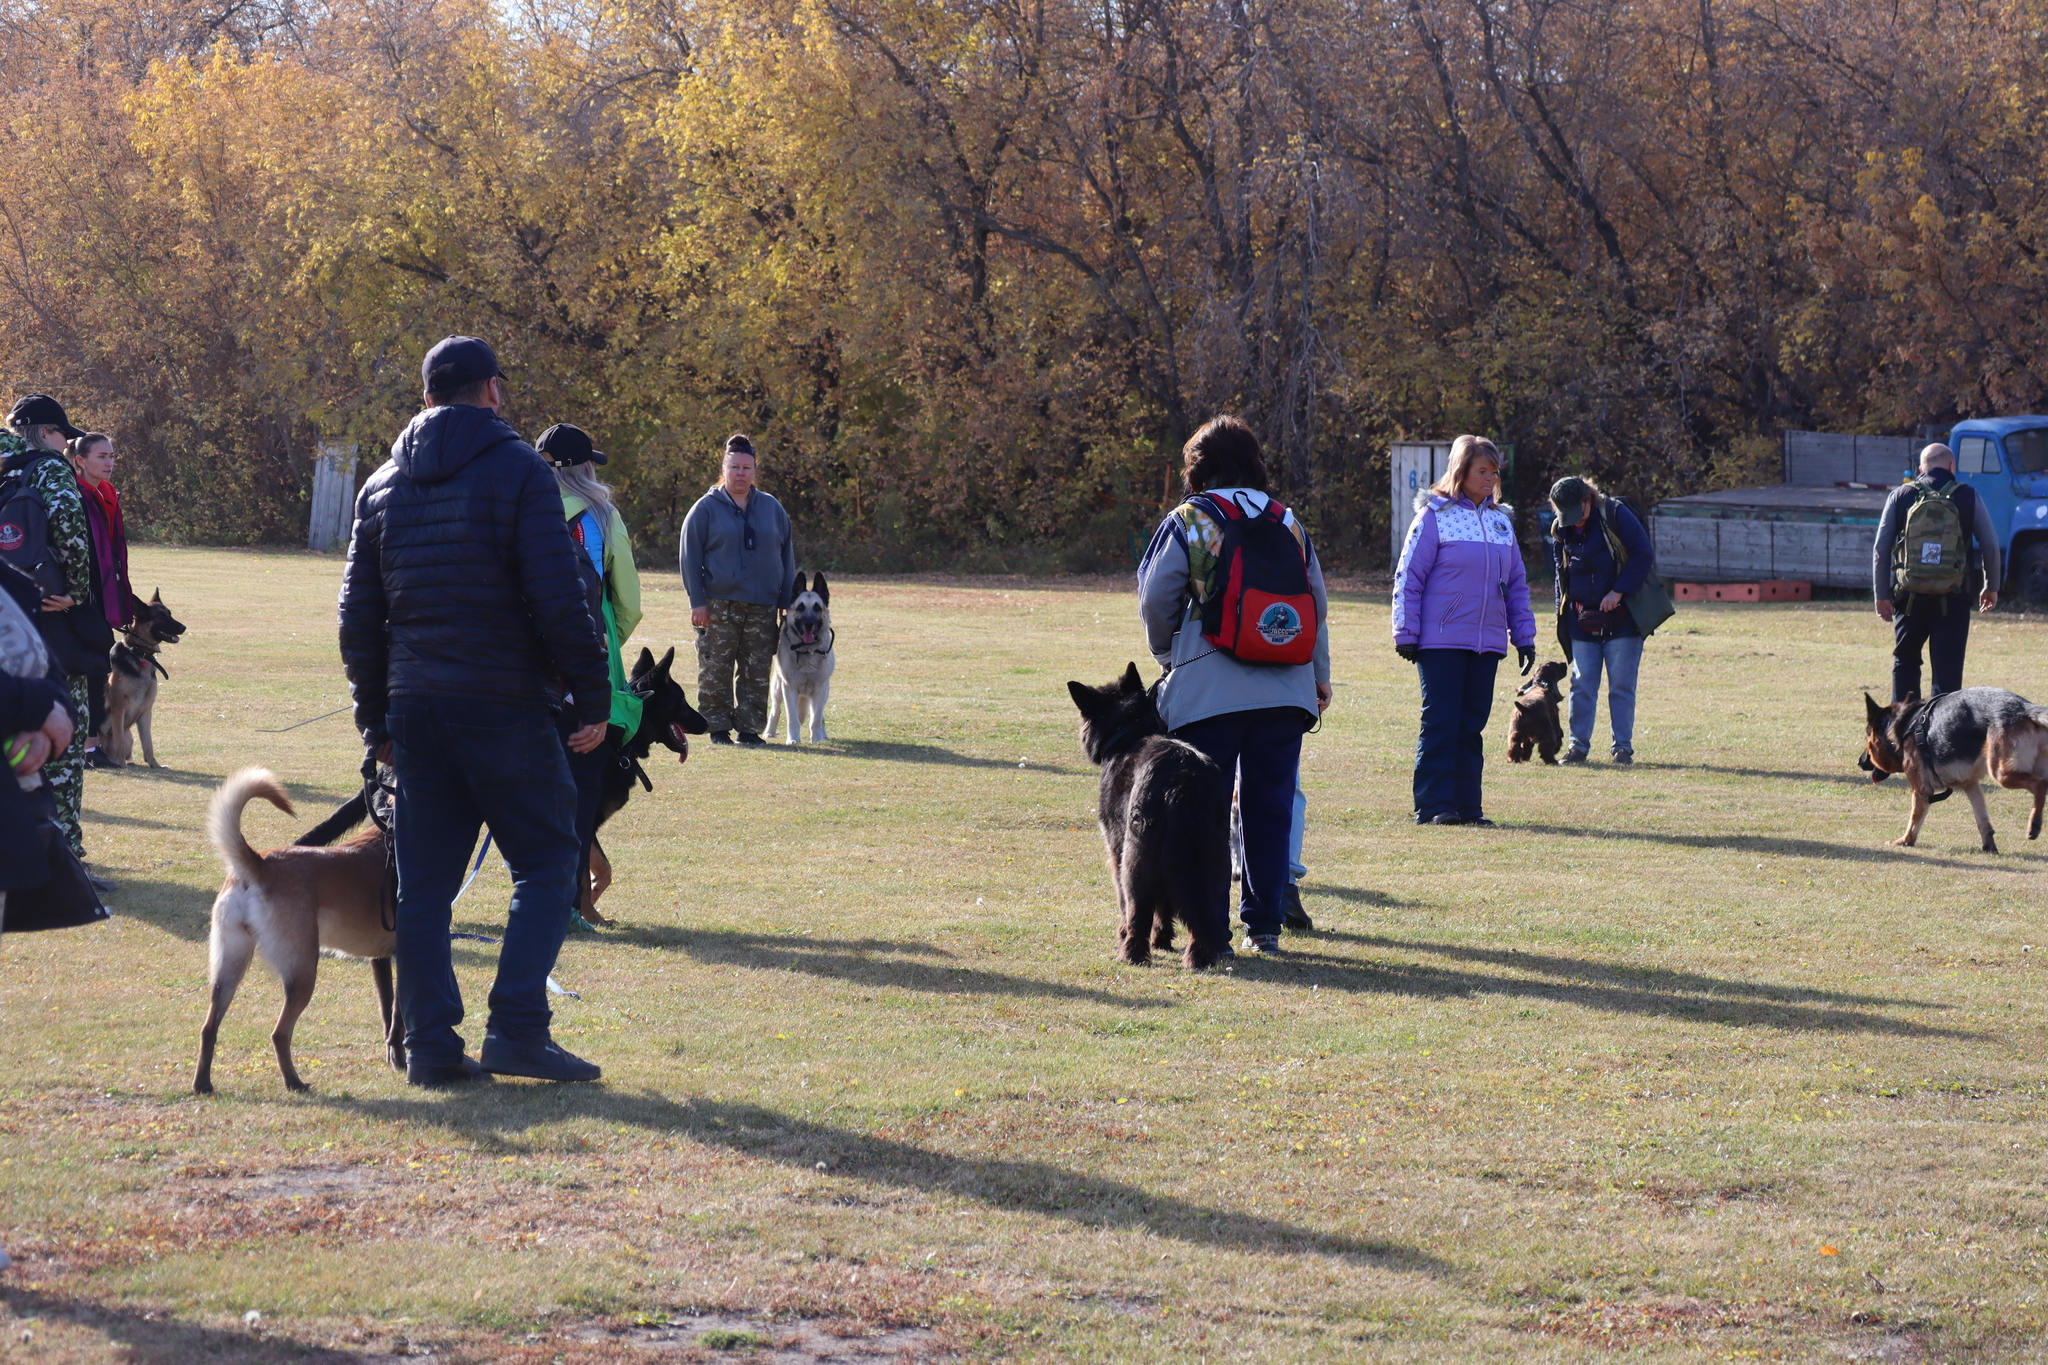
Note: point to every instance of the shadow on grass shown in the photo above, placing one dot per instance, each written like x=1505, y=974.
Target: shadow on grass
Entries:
x=1356, y=895
x=1848, y=776
x=89, y=816
x=1661, y=978
x=182, y=911
x=1788, y=848
x=494, y=1113
x=153, y=1340
x=307, y=795
x=923, y=753
x=1588, y=986
x=852, y=960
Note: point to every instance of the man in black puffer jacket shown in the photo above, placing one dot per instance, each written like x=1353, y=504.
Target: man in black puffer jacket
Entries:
x=470, y=651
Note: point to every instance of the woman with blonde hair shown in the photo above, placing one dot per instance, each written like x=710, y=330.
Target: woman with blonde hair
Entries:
x=1461, y=595
x=613, y=586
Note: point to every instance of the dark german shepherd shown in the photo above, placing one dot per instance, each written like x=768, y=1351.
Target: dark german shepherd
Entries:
x=1164, y=808
x=1957, y=740
x=1535, y=728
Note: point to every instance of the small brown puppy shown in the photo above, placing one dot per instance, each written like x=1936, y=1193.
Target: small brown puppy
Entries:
x=1536, y=728
x=1954, y=742
x=292, y=905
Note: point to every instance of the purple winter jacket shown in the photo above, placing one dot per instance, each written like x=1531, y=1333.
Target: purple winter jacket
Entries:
x=1461, y=584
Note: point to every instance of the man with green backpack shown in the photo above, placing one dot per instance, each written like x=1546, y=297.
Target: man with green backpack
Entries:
x=1936, y=550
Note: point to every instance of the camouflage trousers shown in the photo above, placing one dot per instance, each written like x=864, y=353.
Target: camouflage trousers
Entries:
x=734, y=656
x=66, y=773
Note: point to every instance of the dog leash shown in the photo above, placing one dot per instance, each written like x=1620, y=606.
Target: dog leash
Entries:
x=335, y=712
x=555, y=986
x=475, y=868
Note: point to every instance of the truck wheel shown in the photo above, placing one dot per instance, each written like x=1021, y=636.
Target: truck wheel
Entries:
x=2029, y=577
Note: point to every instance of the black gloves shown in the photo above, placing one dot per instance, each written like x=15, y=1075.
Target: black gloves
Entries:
x=1527, y=654
x=1407, y=652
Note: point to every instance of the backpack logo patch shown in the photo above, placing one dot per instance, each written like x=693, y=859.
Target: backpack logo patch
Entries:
x=11, y=537
x=1930, y=552
x=1278, y=624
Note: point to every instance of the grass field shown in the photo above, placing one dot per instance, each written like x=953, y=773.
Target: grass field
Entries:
x=1682, y=1061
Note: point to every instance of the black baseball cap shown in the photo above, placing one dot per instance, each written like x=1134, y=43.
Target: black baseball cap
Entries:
x=41, y=410
x=458, y=362
x=562, y=445
x=1568, y=495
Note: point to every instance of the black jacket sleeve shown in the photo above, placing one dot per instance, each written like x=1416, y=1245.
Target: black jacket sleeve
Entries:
x=552, y=587
x=365, y=623
x=1887, y=537
x=25, y=704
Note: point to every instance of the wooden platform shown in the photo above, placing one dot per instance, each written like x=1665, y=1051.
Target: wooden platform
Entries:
x=1782, y=532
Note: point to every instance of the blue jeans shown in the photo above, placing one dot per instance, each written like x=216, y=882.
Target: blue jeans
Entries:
x=1263, y=749
x=1621, y=659
x=1457, y=697
x=461, y=765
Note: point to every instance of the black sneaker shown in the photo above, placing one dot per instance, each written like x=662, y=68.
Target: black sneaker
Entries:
x=545, y=1061
x=721, y=736
x=749, y=737
x=97, y=758
x=1624, y=756
x=1449, y=818
x=434, y=1076
x=1573, y=756
x=1296, y=917
x=1265, y=945
x=1479, y=820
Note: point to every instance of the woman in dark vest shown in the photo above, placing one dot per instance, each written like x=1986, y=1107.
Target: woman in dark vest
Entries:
x=92, y=460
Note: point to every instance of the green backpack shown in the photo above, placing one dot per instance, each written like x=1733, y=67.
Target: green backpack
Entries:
x=1928, y=559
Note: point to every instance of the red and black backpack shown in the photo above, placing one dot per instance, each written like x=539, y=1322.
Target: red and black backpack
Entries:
x=1260, y=609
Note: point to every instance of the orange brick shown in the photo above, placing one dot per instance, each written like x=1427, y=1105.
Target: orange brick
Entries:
x=1733, y=592
x=1689, y=592
x=1787, y=590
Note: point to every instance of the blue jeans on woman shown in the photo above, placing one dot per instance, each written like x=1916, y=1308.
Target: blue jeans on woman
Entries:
x=463, y=764
x=1263, y=750
x=1457, y=697
x=1621, y=659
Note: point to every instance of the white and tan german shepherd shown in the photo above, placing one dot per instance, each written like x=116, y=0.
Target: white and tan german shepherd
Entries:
x=804, y=659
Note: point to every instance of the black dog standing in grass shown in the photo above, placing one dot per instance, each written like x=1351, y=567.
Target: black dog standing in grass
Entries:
x=1165, y=814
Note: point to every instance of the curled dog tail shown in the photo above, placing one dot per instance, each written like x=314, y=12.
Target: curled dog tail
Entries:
x=224, y=819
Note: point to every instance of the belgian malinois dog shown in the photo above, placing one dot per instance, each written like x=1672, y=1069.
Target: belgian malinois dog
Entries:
x=291, y=905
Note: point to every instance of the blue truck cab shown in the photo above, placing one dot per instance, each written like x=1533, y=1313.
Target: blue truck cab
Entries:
x=2006, y=460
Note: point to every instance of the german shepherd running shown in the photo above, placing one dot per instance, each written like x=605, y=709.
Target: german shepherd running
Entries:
x=1956, y=741
x=1164, y=808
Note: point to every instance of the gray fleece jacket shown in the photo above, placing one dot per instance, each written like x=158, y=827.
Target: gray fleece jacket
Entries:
x=1203, y=681
x=1983, y=537
x=716, y=561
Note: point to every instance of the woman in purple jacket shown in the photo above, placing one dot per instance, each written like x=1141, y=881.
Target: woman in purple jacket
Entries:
x=1460, y=594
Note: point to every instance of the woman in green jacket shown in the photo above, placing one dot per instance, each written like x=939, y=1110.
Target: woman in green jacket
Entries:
x=614, y=584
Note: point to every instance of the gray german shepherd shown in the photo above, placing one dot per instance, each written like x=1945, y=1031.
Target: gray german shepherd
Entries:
x=1956, y=741
x=804, y=661
x=1164, y=808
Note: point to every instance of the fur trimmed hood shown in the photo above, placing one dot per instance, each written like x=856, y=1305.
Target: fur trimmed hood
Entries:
x=1428, y=499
